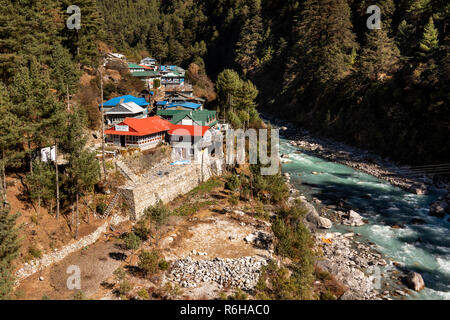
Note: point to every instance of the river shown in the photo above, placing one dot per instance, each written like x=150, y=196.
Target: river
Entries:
x=421, y=248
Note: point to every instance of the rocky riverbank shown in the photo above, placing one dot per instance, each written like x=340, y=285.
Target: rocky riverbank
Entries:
x=355, y=158
x=366, y=273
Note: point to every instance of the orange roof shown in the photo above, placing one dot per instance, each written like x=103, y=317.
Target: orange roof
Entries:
x=183, y=130
x=142, y=127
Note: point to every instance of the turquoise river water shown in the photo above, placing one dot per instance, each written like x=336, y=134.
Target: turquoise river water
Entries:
x=421, y=248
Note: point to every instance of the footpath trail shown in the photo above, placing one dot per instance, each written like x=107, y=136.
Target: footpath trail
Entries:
x=96, y=263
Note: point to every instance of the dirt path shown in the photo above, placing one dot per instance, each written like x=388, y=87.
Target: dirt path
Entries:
x=96, y=263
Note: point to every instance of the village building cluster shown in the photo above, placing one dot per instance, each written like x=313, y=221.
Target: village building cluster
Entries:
x=178, y=119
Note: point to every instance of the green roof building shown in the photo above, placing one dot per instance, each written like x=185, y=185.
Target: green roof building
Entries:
x=190, y=117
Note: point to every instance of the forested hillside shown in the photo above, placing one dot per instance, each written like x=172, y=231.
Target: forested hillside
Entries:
x=314, y=61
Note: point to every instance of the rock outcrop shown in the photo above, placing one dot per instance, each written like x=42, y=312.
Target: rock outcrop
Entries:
x=415, y=281
x=440, y=208
x=353, y=219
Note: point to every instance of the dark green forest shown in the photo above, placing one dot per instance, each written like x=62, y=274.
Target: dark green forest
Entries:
x=314, y=61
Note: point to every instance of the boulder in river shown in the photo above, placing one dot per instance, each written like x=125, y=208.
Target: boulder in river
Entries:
x=324, y=223
x=439, y=209
x=415, y=281
x=354, y=219
x=418, y=221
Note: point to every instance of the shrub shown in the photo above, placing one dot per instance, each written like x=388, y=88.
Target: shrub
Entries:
x=328, y=295
x=238, y=295
x=143, y=294
x=141, y=230
x=173, y=291
x=35, y=252
x=101, y=208
x=157, y=214
x=207, y=187
x=294, y=242
x=79, y=296
x=125, y=287
x=233, y=200
x=233, y=183
x=132, y=241
x=149, y=261
x=163, y=265
x=119, y=274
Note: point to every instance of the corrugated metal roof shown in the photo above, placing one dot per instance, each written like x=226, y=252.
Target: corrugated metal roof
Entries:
x=143, y=74
x=189, y=105
x=128, y=98
x=142, y=127
x=134, y=66
x=126, y=108
x=202, y=117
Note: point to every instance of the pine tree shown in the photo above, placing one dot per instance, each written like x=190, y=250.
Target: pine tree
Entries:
x=250, y=40
x=82, y=43
x=405, y=38
x=35, y=105
x=65, y=74
x=29, y=30
x=156, y=45
x=10, y=139
x=429, y=43
x=245, y=102
x=228, y=85
x=83, y=168
x=418, y=10
x=324, y=43
x=9, y=250
x=380, y=55
x=41, y=184
x=10, y=56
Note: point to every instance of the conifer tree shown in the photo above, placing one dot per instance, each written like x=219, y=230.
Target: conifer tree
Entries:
x=429, y=43
x=82, y=43
x=9, y=250
x=380, y=55
x=245, y=101
x=41, y=184
x=36, y=106
x=228, y=85
x=324, y=43
x=83, y=168
x=250, y=40
x=10, y=139
x=405, y=38
x=65, y=74
x=156, y=45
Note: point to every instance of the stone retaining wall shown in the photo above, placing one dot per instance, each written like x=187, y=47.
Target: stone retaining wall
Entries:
x=36, y=265
x=179, y=180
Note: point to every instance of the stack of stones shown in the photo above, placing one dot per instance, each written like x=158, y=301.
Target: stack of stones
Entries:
x=240, y=273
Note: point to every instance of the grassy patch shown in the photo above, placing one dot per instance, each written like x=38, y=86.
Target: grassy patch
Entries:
x=207, y=187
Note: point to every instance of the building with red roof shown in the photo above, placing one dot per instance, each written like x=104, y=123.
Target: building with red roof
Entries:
x=147, y=133
x=184, y=139
x=139, y=133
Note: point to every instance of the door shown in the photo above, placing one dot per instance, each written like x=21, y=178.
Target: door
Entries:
x=122, y=141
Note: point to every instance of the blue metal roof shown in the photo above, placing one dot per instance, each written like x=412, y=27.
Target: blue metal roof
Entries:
x=188, y=105
x=128, y=98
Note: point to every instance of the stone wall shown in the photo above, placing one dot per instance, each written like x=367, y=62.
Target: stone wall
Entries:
x=34, y=266
x=177, y=180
